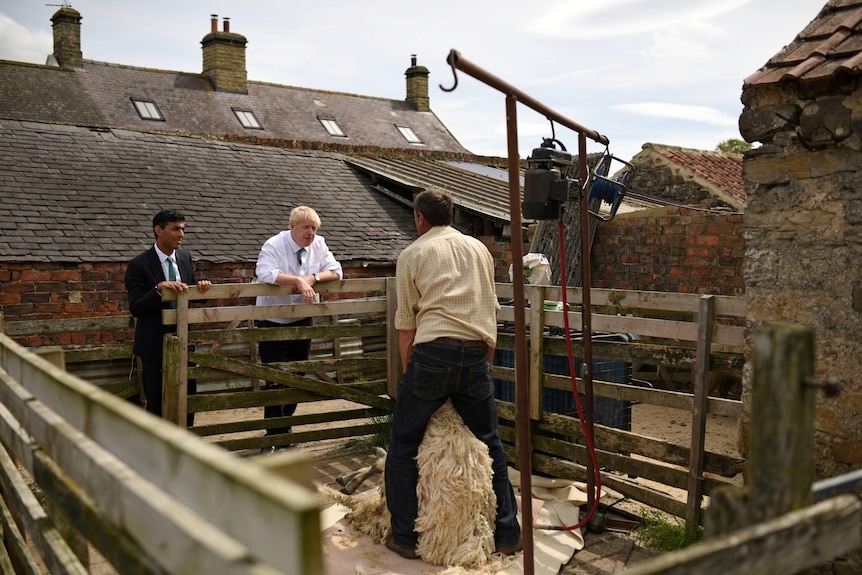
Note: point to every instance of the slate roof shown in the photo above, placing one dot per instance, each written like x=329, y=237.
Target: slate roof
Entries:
x=100, y=95
x=718, y=172
x=830, y=45
x=78, y=194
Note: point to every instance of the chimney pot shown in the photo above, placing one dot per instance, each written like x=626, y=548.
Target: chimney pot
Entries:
x=227, y=24
x=214, y=22
x=412, y=59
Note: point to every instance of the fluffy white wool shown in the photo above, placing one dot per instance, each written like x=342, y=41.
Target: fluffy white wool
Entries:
x=457, y=505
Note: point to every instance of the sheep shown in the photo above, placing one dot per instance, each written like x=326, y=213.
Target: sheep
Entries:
x=457, y=505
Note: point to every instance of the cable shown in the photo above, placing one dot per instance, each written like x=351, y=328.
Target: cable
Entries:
x=664, y=202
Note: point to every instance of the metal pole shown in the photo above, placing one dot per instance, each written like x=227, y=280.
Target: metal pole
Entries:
x=457, y=61
x=522, y=392
x=586, y=316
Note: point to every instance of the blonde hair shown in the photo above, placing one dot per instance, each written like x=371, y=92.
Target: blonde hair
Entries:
x=303, y=213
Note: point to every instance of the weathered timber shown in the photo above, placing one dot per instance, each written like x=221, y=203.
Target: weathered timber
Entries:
x=246, y=335
x=789, y=543
x=781, y=468
x=625, y=392
x=299, y=437
x=55, y=326
x=278, y=376
x=555, y=467
x=147, y=479
x=23, y=508
x=628, y=442
x=698, y=416
x=308, y=419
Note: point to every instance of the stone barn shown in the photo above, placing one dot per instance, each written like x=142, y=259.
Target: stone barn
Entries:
x=803, y=223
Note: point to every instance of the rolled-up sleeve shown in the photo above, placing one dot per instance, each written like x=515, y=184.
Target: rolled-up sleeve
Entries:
x=268, y=265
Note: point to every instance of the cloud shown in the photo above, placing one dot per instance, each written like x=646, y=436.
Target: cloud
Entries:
x=703, y=114
x=619, y=18
x=19, y=44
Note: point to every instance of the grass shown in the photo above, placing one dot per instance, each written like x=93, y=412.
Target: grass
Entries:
x=662, y=534
x=380, y=438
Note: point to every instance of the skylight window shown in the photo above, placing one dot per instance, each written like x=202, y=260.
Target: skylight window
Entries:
x=247, y=119
x=332, y=127
x=148, y=110
x=409, y=134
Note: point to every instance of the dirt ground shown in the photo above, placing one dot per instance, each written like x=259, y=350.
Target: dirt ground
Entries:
x=603, y=553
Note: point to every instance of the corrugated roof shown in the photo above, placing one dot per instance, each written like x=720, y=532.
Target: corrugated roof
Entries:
x=473, y=192
x=831, y=44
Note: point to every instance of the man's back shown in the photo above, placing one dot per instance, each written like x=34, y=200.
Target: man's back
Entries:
x=445, y=285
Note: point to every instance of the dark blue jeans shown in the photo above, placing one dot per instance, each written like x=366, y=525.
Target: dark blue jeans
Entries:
x=281, y=351
x=435, y=373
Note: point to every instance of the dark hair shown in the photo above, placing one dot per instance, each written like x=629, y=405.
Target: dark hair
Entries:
x=435, y=205
x=164, y=217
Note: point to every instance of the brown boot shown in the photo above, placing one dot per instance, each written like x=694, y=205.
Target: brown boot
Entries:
x=403, y=551
x=511, y=550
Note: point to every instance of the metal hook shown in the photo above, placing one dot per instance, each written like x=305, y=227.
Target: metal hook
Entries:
x=454, y=75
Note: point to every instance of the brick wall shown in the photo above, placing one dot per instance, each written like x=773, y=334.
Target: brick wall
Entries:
x=32, y=291
x=670, y=250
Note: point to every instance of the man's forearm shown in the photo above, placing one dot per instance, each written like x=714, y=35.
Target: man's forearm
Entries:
x=405, y=346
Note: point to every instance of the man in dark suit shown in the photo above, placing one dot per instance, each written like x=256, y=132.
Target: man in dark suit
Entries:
x=163, y=266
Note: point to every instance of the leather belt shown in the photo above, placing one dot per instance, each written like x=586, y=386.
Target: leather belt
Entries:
x=451, y=341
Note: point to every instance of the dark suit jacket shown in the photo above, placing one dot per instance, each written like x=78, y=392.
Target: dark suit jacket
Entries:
x=145, y=303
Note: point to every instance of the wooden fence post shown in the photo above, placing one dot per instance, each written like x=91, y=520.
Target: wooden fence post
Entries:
x=393, y=351
x=699, y=406
x=780, y=463
x=171, y=383
x=782, y=438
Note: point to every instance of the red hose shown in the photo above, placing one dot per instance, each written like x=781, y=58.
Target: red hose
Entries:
x=590, y=447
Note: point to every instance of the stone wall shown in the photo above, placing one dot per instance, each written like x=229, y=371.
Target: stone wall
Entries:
x=803, y=229
x=670, y=250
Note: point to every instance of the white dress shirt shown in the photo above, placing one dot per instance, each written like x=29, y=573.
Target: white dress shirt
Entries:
x=279, y=255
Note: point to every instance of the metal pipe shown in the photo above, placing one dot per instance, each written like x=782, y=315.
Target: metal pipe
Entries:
x=522, y=393
x=457, y=61
x=586, y=316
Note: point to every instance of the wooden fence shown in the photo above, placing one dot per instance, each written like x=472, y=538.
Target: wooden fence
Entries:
x=82, y=469
x=668, y=333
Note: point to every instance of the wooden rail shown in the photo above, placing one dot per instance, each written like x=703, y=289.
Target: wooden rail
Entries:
x=136, y=488
x=665, y=332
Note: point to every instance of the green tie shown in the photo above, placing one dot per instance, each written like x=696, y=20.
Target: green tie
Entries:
x=172, y=276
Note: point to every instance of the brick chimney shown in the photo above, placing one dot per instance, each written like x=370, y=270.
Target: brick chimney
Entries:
x=67, y=37
x=224, y=58
x=417, y=86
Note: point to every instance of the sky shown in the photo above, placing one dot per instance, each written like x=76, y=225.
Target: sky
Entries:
x=637, y=71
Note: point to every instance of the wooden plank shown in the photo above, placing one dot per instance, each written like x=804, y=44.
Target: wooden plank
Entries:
x=393, y=355
x=790, y=543
x=55, y=326
x=53, y=549
x=249, y=290
x=247, y=335
x=232, y=313
x=277, y=375
x=705, y=318
x=731, y=306
x=535, y=351
x=195, y=473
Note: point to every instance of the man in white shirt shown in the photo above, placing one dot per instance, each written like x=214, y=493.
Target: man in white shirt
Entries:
x=297, y=259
